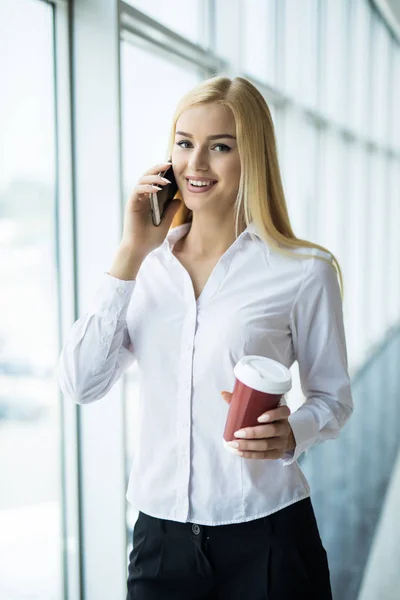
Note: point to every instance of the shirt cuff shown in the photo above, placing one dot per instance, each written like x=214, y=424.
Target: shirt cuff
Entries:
x=305, y=431
x=112, y=297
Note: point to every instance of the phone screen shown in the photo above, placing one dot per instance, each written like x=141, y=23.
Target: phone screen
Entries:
x=165, y=196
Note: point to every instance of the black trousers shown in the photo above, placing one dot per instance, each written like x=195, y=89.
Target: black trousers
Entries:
x=279, y=557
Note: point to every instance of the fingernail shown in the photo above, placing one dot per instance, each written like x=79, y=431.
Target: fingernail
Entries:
x=156, y=187
x=233, y=444
x=165, y=179
x=240, y=433
x=263, y=418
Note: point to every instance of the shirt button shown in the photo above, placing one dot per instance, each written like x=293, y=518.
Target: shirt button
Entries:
x=196, y=529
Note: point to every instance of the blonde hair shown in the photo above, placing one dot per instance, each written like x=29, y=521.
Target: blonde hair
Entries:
x=260, y=197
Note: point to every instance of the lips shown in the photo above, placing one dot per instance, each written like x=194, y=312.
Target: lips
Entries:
x=206, y=179
x=201, y=188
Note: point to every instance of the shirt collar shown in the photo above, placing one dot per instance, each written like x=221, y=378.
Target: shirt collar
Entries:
x=178, y=232
x=252, y=229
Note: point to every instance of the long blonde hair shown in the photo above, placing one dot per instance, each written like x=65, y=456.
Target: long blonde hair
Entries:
x=260, y=198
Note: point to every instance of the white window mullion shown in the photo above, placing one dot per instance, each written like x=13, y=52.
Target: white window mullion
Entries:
x=97, y=165
x=66, y=267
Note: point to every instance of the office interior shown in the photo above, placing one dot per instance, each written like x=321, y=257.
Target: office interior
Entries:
x=87, y=93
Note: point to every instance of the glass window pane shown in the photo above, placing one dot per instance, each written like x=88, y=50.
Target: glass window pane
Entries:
x=395, y=100
x=290, y=14
x=360, y=67
x=393, y=252
x=377, y=249
x=31, y=539
x=331, y=189
x=181, y=16
x=299, y=171
x=386, y=232
x=300, y=29
x=334, y=60
x=354, y=266
x=229, y=42
x=146, y=123
x=310, y=52
x=291, y=170
x=259, y=50
x=380, y=82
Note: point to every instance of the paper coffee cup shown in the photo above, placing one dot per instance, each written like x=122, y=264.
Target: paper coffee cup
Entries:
x=259, y=386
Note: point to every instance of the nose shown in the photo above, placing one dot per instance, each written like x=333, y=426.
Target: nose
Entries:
x=198, y=160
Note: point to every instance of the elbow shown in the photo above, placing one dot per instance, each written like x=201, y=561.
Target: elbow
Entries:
x=85, y=397
x=84, y=392
x=78, y=395
x=82, y=395
x=90, y=391
x=78, y=387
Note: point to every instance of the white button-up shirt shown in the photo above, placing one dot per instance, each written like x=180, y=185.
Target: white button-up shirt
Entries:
x=256, y=301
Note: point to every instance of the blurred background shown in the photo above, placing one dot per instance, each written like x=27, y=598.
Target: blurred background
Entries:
x=87, y=92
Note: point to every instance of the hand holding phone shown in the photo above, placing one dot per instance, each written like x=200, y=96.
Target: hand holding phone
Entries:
x=160, y=200
x=139, y=233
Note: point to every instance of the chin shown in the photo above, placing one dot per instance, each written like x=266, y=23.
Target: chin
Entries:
x=193, y=203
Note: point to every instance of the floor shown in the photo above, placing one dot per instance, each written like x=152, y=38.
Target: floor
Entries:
x=382, y=574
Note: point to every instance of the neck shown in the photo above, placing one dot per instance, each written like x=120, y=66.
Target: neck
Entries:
x=209, y=237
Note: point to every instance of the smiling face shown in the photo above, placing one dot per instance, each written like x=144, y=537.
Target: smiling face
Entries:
x=205, y=154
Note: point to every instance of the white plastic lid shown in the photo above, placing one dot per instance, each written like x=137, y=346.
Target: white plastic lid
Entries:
x=263, y=374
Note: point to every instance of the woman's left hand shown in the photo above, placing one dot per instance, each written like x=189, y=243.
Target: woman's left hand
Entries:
x=269, y=441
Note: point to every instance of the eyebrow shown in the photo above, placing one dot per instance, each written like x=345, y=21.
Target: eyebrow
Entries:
x=210, y=137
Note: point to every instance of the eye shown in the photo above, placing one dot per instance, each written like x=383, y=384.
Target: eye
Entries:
x=224, y=147
x=182, y=142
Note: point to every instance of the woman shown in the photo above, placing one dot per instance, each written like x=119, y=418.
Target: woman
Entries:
x=228, y=279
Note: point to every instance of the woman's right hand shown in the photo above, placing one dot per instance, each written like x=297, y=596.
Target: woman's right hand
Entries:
x=139, y=233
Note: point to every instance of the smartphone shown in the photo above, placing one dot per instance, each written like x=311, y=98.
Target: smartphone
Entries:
x=159, y=201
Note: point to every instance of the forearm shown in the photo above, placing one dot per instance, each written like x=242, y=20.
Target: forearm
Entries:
x=97, y=349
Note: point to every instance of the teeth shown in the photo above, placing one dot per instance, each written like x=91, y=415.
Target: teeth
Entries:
x=199, y=183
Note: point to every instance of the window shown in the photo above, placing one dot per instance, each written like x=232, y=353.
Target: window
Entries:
x=394, y=131
x=259, y=30
x=331, y=193
x=392, y=252
x=301, y=51
x=355, y=269
x=334, y=71
x=185, y=18
x=299, y=170
x=31, y=540
x=380, y=82
x=378, y=247
x=360, y=67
